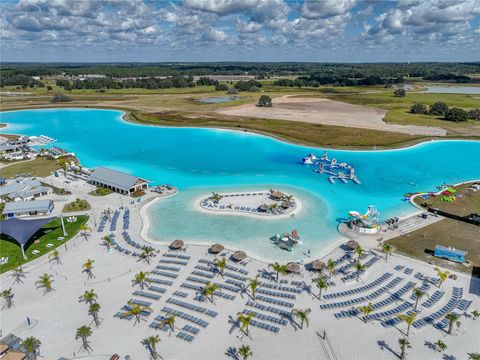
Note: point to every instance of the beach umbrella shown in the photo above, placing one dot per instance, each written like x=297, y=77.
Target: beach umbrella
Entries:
x=293, y=267
x=352, y=244
x=239, y=256
x=177, y=244
x=317, y=265
x=215, y=249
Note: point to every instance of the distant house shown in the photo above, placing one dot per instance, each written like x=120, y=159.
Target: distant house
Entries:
x=450, y=253
x=9, y=148
x=117, y=181
x=18, y=209
x=24, y=190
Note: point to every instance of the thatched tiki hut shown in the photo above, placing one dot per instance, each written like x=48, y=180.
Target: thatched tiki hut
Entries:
x=239, y=256
x=317, y=265
x=277, y=195
x=293, y=267
x=217, y=248
x=352, y=244
x=176, y=245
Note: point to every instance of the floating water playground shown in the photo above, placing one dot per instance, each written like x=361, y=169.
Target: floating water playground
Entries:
x=337, y=170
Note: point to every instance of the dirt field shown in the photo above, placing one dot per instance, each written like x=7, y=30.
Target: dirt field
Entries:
x=328, y=112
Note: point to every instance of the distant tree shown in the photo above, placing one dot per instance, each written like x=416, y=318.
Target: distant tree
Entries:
x=399, y=92
x=60, y=98
x=84, y=332
x=439, y=108
x=418, y=109
x=244, y=351
x=49, y=88
x=474, y=114
x=264, y=101
x=456, y=114
x=221, y=87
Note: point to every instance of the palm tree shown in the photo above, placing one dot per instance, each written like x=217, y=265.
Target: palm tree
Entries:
x=404, y=345
x=331, y=267
x=253, y=284
x=55, y=256
x=244, y=351
x=360, y=268
x=321, y=284
x=84, y=332
x=88, y=267
x=244, y=320
x=220, y=265
x=366, y=310
x=46, y=282
x=418, y=294
x=475, y=314
x=474, y=356
x=387, y=249
x=302, y=315
x=8, y=295
x=147, y=253
x=138, y=311
x=151, y=344
x=443, y=275
x=216, y=197
x=170, y=322
x=93, y=310
x=209, y=290
x=89, y=297
x=288, y=199
x=107, y=241
x=18, y=274
x=452, y=318
x=141, y=279
x=279, y=269
x=409, y=319
x=360, y=252
x=85, y=230
x=440, y=345
x=32, y=346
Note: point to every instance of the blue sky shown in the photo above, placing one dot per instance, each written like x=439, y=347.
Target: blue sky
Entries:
x=240, y=30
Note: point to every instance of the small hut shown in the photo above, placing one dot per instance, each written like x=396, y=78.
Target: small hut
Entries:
x=285, y=205
x=239, y=256
x=263, y=208
x=176, y=245
x=317, y=265
x=277, y=195
x=293, y=267
x=217, y=248
x=352, y=244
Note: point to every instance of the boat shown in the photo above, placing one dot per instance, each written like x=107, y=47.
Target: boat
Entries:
x=307, y=161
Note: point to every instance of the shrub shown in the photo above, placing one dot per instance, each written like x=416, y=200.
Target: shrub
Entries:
x=439, y=108
x=221, y=87
x=49, y=88
x=399, y=92
x=474, y=114
x=418, y=109
x=60, y=98
x=456, y=114
x=265, y=100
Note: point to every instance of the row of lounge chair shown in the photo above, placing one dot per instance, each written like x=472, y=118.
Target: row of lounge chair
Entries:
x=204, y=274
x=176, y=255
x=274, y=301
x=266, y=317
x=276, y=293
x=129, y=241
x=172, y=261
x=423, y=288
x=358, y=290
x=354, y=275
x=126, y=219
x=261, y=325
x=398, y=310
x=163, y=273
x=228, y=266
x=157, y=289
x=113, y=222
x=420, y=276
x=192, y=307
x=282, y=288
x=160, y=281
x=147, y=295
x=191, y=329
x=185, y=316
x=267, y=308
x=181, y=294
x=433, y=299
x=169, y=268
x=103, y=222
x=184, y=336
x=396, y=320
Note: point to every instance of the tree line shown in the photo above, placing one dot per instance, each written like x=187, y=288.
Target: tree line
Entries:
x=441, y=109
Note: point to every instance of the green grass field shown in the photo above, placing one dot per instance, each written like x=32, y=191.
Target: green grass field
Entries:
x=48, y=234
x=38, y=167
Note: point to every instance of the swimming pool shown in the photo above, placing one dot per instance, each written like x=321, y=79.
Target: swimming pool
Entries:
x=200, y=161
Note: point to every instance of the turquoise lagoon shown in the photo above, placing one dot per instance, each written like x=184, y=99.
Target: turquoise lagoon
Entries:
x=200, y=161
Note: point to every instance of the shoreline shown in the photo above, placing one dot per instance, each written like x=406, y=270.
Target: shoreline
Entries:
x=125, y=112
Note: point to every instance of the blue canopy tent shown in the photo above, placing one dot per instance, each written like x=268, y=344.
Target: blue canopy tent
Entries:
x=22, y=230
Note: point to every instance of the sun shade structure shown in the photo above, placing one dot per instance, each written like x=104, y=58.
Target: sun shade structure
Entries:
x=215, y=249
x=177, y=244
x=317, y=265
x=352, y=244
x=22, y=230
x=239, y=256
x=293, y=267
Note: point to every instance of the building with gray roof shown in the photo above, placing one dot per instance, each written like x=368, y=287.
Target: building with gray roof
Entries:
x=26, y=189
x=16, y=209
x=117, y=181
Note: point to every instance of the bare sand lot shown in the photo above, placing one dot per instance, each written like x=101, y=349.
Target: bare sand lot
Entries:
x=328, y=112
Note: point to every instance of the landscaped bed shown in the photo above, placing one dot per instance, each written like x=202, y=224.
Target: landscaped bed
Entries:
x=77, y=205
x=101, y=191
x=48, y=234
